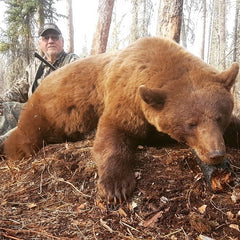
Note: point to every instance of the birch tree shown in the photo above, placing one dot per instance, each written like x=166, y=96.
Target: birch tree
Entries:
x=70, y=26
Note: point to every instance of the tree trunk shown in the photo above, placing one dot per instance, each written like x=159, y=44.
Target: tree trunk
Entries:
x=170, y=19
x=40, y=14
x=204, y=9
x=134, y=27
x=210, y=30
x=183, y=34
x=214, y=38
x=235, y=32
x=40, y=17
x=70, y=27
x=100, y=38
x=222, y=33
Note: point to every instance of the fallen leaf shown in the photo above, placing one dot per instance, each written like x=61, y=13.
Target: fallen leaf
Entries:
x=230, y=215
x=104, y=224
x=101, y=205
x=164, y=199
x=153, y=220
x=31, y=205
x=202, y=209
x=138, y=175
x=220, y=178
x=122, y=212
x=82, y=206
x=199, y=223
x=202, y=237
x=234, y=226
x=235, y=195
x=134, y=205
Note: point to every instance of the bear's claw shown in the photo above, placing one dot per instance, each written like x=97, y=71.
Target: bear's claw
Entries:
x=116, y=191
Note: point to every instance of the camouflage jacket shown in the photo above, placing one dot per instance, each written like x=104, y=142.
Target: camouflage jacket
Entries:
x=24, y=87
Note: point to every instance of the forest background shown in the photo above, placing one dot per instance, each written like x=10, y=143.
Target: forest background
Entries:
x=208, y=28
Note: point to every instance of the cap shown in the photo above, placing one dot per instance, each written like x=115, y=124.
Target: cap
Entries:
x=48, y=26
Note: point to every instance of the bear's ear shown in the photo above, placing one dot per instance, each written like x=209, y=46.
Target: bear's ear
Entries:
x=228, y=77
x=154, y=97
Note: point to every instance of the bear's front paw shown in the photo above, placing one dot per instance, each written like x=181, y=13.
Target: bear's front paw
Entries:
x=116, y=188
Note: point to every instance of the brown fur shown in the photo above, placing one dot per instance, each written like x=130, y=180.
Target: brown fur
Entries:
x=152, y=82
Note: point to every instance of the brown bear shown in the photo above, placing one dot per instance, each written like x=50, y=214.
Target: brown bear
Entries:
x=152, y=83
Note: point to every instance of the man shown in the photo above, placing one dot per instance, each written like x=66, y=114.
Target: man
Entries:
x=51, y=44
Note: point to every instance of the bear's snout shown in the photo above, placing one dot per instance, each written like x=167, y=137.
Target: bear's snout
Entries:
x=209, y=143
x=216, y=156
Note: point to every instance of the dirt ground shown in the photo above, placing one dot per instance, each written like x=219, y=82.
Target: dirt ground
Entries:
x=54, y=196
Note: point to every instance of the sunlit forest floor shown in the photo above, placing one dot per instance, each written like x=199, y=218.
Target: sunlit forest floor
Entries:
x=54, y=196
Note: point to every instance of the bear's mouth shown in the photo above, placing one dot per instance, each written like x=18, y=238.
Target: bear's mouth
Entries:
x=213, y=158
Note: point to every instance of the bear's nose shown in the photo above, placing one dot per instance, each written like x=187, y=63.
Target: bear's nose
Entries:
x=217, y=156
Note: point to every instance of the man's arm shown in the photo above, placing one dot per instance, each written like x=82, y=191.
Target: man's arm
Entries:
x=18, y=92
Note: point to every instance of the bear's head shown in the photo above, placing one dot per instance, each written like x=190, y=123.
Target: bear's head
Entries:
x=193, y=113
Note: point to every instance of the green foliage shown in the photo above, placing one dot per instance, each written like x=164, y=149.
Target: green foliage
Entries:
x=4, y=47
x=19, y=15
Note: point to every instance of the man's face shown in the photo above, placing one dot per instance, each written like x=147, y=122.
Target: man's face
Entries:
x=51, y=43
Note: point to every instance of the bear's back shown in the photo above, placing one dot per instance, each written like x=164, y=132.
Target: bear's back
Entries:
x=155, y=63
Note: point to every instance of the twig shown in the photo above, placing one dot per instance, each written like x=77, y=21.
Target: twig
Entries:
x=103, y=223
x=75, y=188
x=129, y=226
x=41, y=181
x=94, y=232
x=168, y=153
x=186, y=236
x=172, y=233
x=64, y=181
x=213, y=204
x=234, y=166
x=29, y=231
x=22, y=191
x=129, y=232
x=11, y=237
x=189, y=192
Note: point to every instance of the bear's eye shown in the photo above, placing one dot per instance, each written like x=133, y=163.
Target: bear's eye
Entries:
x=219, y=119
x=192, y=125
